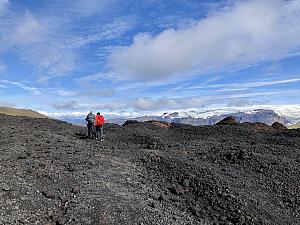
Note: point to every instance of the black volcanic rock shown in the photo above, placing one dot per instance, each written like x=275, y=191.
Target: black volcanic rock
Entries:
x=279, y=126
x=260, y=127
x=128, y=122
x=146, y=173
x=227, y=121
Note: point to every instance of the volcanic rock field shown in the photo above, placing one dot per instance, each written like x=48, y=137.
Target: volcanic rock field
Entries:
x=148, y=173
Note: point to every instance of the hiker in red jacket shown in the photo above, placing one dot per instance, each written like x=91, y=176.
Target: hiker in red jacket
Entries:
x=99, y=122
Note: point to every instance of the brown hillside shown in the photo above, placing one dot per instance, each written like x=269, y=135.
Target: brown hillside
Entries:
x=294, y=126
x=21, y=112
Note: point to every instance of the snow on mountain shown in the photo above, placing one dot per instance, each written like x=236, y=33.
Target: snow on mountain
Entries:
x=291, y=112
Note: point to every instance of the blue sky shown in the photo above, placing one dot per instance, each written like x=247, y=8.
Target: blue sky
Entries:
x=145, y=56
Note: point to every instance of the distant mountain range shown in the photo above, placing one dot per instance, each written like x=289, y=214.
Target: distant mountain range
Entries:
x=260, y=115
x=200, y=118
x=192, y=117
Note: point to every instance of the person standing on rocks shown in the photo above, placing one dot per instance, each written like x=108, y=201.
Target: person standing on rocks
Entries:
x=99, y=122
x=90, y=119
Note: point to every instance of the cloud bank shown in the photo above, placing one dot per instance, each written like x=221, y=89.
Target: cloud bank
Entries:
x=242, y=34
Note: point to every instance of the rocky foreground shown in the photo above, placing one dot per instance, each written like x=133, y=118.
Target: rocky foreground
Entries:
x=148, y=173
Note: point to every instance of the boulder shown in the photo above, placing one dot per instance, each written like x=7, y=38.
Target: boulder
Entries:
x=227, y=121
x=160, y=123
x=128, y=122
x=279, y=126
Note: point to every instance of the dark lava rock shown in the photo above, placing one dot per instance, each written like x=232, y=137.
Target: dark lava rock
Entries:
x=176, y=190
x=48, y=193
x=128, y=122
x=5, y=187
x=75, y=190
x=160, y=123
x=186, y=183
x=23, y=155
x=259, y=127
x=279, y=126
x=70, y=167
x=227, y=121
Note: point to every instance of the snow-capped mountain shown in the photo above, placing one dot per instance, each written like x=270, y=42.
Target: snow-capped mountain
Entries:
x=212, y=117
x=285, y=114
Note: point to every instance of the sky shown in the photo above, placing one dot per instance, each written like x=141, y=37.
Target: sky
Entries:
x=133, y=57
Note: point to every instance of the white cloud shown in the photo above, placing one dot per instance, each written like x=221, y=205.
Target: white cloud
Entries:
x=52, y=43
x=83, y=114
x=105, y=32
x=27, y=31
x=39, y=41
x=244, y=102
x=179, y=103
x=243, y=34
x=94, y=77
x=149, y=104
x=66, y=93
x=88, y=7
x=68, y=105
x=3, y=6
x=32, y=90
x=242, y=86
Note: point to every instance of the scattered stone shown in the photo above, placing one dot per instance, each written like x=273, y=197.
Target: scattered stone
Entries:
x=48, y=194
x=186, y=183
x=151, y=204
x=5, y=187
x=70, y=167
x=75, y=190
x=242, y=155
x=23, y=155
x=176, y=190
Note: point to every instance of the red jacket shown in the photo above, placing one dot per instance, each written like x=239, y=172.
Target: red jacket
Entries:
x=99, y=120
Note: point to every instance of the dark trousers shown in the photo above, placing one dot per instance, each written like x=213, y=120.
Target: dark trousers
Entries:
x=90, y=130
x=99, y=132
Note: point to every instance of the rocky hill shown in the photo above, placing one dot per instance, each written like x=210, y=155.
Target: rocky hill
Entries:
x=148, y=173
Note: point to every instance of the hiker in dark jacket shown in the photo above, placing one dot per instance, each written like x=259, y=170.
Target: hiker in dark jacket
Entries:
x=90, y=119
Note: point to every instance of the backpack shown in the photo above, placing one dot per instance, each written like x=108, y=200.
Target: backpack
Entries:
x=90, y=118
x=99, y=120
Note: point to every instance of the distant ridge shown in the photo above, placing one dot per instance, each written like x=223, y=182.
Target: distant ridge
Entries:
x=21, y=112
x=259, y=115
